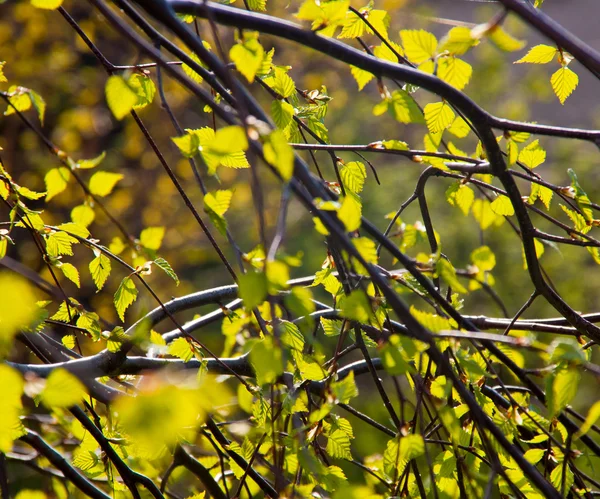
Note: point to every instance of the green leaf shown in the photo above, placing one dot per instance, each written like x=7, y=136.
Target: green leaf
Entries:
x=188, y=144
x=483, y=258
x=454, y=71
x=483, y=213
x=182, y=349
x=458, y=41
x=447, y=272
x=544, y=194
x=419, y=45
x=100, y=270
x=331, y=327
x=282, y=113
x=60, y=243
x=356, y=306
x=338, y=445
x=151, y=238
x=260, y=5
x=404, y=108
x=433, y=322
x=120, y=97
x=282, y=83
x=56, y=181
x=461, y=196
x=345, y=389
x=87, y=164
x=350, y=212
x=361, y=76
x=503, y=40
x=562, y=386
x=563, y=82
x=540, y=54
x=75, y=229
x=62, y=390
x=166, y=267
x=252, y=289
x=533, y=154
x=145, y=89
x=126, y=294
x=225, y=147
x=279, y=154
x=353, y=176
x=590, y=420
x=189, y=71
x=438, y=116
x=39, y=104
x=71, y=273
x=291, y=336
x=102, y=183
x=266, y=360
x=502, y=206
x=248, y=57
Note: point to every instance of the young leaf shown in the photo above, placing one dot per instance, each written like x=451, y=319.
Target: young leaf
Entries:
x=125, y=295
x=248, y=56
x=502, y=206
x=182, y=349
x=103, y=183
x=353, y=175
x=533, y=154
x=71, y=273
x=460, y=195
x=100, y=270
x=419, y=45
x=540, y=54
x=151, y=238
x=164, y=265
x=252, y=288
x=454, y=71
x=121, y=98
x=438, y=116
x=56, y=181
x=563, y=82
x=279, y=154
x=448, y=273
x=62, y=390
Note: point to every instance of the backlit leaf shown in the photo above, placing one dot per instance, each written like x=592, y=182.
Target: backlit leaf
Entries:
x=540, y=54
x=502, y=206
x=103, y=183
x=166, y=267
x=62, y=389
x=56, y=181
x=121, y=98
x=151, y=238
x=438, y=116
x=100, y=270
x=563, y=82
x=419, y=45
x=454, y=71
x=125, y=295
x=533, y=154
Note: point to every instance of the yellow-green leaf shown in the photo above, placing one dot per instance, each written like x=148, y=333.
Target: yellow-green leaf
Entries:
x=71, y=273
x=279, y=154
x=100, y=270
x=47, y=4
x=454, y=71
x=483, y=213
x=151, y=238
x=458, y=41
x=460, y=195
x=56, y=181
x=438, y=116
x=540, y=54
x=102, y=183
x=563, y=82
x=125, y=295
x=533, y=154
x=120, y=97
x=419, y=45
x=502, y=206
x=248, y=57
x=353, y=176
x=62, y=390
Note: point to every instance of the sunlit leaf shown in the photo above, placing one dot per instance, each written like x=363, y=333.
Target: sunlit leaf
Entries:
x=563, y=82
x=103, y=183
x=540, y=54
x=62, y=389
x=125, y=295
